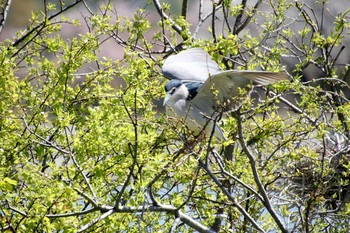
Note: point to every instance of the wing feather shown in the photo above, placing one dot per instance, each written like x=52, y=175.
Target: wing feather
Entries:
x=224, y=86
x=192, y=64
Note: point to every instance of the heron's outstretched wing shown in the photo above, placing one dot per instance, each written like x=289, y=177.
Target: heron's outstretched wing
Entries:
x=224, y=86
x=192, y=64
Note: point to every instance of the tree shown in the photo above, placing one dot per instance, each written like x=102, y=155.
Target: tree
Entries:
x=80, y=154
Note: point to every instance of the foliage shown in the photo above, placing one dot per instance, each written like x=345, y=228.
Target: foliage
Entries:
x=80, y=153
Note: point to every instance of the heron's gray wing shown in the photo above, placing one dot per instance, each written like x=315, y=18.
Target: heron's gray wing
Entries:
x=191, y=64
x=224, y=86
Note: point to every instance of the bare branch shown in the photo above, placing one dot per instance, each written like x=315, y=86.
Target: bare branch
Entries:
x=201, y=19
x=53, y=216
x=17, y=211
x=184, y=8
x=218, y=220
x=42, y=24
x=79, y=168
x=238, y=180
x=175, y=224
x=163, y=15
x=4, y=14
x=223, y=189
x=241, y=26
x=141, y=209
x=238, y=20
x=213, y=31
x=87, y=7
x=261, y=188
x=103, y=216
x=230, y=197
x=90, y=200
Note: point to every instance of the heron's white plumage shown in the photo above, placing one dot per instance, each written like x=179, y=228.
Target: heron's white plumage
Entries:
x=227, y=85
x=178, y=106
x=217, y=88
x=192, y=64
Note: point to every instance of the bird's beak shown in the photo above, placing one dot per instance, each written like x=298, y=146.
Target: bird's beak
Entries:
x=167, y=97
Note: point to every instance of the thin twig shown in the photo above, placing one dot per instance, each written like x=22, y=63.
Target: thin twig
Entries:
x=29, y=32
x=239, y=181
x=17, y=211
x=201, y=19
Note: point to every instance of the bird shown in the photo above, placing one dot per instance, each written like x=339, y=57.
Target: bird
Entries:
x=199, y=90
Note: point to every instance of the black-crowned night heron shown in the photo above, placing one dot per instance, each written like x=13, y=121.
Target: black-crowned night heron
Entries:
x=199, y=90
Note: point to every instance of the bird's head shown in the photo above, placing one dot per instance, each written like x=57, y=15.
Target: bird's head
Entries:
x=175, y=90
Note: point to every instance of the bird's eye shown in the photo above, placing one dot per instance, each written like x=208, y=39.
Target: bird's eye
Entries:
x=172, y=91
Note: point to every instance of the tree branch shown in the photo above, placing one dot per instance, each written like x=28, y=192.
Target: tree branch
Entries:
x=53, y=216
x=213, y=31
x=175, y=224
x=257, y=180
x=90, y=200
x=79, y=168
x=223, y=189
x=163, y=15
x=4, y=14
x=28, y=33
x=201, y=19
x=184, y=8
x=90, y=224
x=17, y=211
x=232, y=199
x=138, y=209
x=238, y=20
x=218, y=220
x=239, y=28
x=238, y=180
x=141, y=209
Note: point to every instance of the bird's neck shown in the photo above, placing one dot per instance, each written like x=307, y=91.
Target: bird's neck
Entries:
x=179, y=99
x=181, y=93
